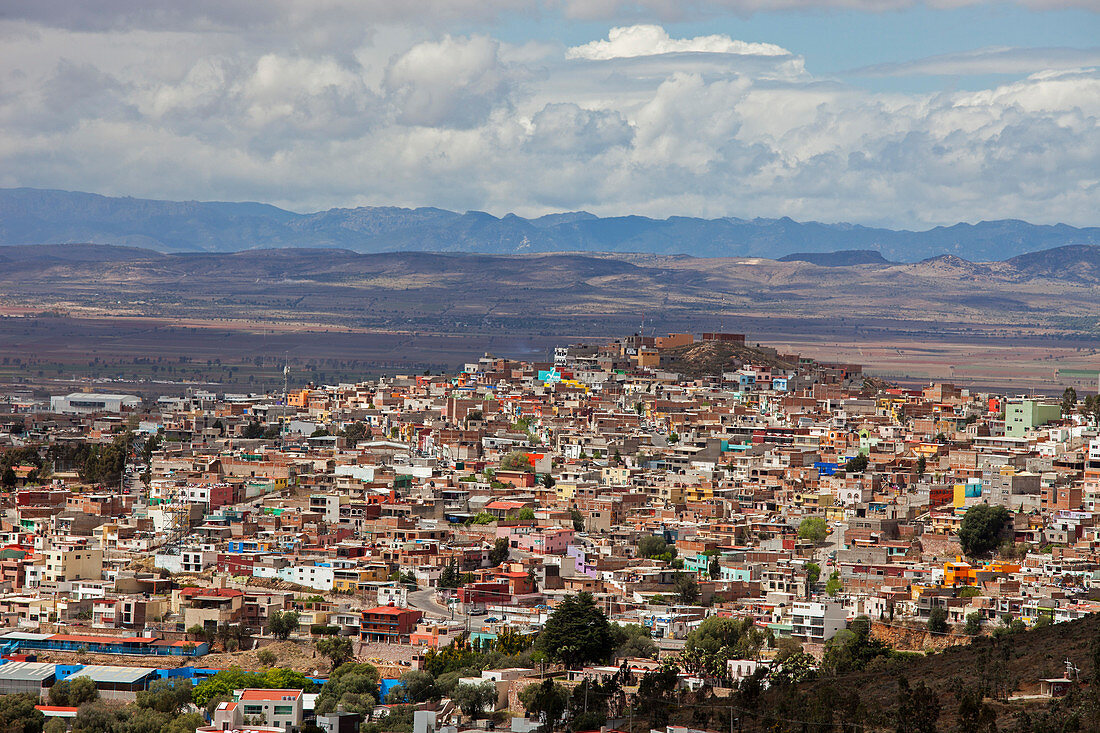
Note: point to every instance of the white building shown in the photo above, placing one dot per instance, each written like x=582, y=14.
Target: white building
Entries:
x=82, y=403
x=817, y=621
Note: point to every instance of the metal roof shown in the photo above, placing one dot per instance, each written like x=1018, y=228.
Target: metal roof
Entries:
x=110, y=673
x=34, y=671
x=24, y=636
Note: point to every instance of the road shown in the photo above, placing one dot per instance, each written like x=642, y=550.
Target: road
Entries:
x=424, y=600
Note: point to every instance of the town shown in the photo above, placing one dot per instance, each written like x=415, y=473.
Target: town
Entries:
x=680, y=532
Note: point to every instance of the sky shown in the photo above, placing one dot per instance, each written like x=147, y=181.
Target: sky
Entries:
x=892, y=113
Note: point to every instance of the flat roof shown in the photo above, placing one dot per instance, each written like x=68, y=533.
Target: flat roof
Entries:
x=111, y=673
x=36, y=671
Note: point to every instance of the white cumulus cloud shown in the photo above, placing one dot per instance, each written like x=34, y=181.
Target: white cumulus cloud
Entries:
x=653, y=40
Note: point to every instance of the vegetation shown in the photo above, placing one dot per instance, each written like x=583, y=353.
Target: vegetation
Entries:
x=813, y=573
x=576, y=633
x=352, y=686
x=632, y=640
x=474, y=698
x=281, y=624
x=980, y=530
x=73, y=692
x=516, y=461
x=337, y=649
x=813, y=529
x=655, y=548
x=548, y=700
x=223, y=683
x=858, y=464
x=937, y=620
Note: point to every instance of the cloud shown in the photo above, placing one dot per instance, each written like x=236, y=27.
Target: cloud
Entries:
x=988, y=61
x=652, y=40
x=640, y=123
x=455, y=82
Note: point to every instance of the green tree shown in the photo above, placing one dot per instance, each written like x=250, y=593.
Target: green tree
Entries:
x=1069, y=401
x=337, y=649
x=416, y=686
x=352, y=685
x=654, y=547
x=576, y=632
x=73, y=692
x=282, y=624
x=516, y=461
x=546, y=699
x=18, y=714
x=8, y=479
x=266, y=658
x=687, y=590
x=922, y=465
x=354, y=432
x=973, y=623
x=980, y=530
x=252, y=430
x=474, y=698
x=813, y=572
x=632, y=640
x=715, y=568
x=578, y=519
x=170, y=696
x=813, y=529
x=526, y=514
x=937, y=620
x=858, y=464
x=500, y=551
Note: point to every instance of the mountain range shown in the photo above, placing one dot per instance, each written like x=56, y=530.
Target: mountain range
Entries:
x=39, y=216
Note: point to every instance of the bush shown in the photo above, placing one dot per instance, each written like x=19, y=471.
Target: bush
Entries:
x=937, y=620
x=813, y=529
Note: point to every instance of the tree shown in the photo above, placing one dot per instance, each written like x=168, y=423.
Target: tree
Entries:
x=337, y=648
x=500, y=551
x=715, y=568
x=687, y=590
x=578, y=519
x=526, y=514
x=8, y=479
x=168, y=696
x=18, y=714
x=266, y=658
x=654, y=547
x=980, y=530
x=973, y=623
x=253, y=430
x=813, y=529
x=918, y=708
x=632, y=640
x=813, y=572
x=937, y=620
x=858, y=464
x=73, y=692
x=354, y=432
x=472, y=699
x=282, y=624
x=1069, y=400
x=416, y=686
x=922, y=465
x=516, y=461
x=449, y=577
x=576, y=632
x=547, y=699
x=352, y=685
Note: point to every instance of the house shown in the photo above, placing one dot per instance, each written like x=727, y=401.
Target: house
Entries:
x=389, y=624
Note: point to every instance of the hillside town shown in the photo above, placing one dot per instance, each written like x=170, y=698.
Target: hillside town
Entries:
x=570, y=544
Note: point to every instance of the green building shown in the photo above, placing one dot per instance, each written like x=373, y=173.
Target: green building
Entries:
x=1023, y=415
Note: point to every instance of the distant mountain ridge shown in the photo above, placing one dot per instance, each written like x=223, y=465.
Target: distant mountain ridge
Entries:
x=38, y=216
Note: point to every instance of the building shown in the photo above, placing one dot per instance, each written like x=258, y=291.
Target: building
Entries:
x=275, y=708
x=1024, y=415
x=388, y=624
x=84, y=403
x=817, y=622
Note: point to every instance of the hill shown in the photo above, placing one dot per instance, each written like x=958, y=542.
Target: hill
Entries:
x=30, y=216
x=840, y=258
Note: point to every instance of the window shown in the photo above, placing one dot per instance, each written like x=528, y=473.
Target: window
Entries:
x=253, y=709
x=284, y=710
